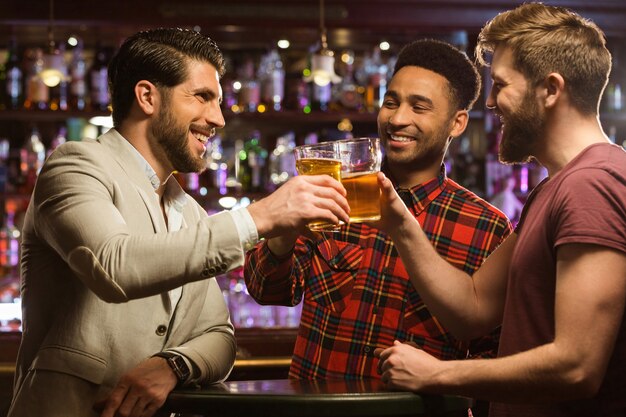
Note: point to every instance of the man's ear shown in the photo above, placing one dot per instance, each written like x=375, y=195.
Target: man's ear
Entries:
x=147, y=96
x=459, y=123
x=554, y=86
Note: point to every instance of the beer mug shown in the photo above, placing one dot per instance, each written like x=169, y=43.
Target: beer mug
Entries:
x=317, y=159
x=360, y=162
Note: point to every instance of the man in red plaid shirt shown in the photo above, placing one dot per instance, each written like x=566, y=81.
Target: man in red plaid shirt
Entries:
x=356, y=292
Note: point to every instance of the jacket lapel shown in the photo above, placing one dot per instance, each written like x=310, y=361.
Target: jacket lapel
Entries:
x=118, y=146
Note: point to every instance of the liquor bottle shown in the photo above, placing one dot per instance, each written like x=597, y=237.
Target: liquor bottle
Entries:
x=12, y=78
x=78, y=84
x=250, y=91
x=37, y=92
x=282, y=165
x=98, y=80
x=217, y=172
x=32, y=157
x=321, y=96
x=252, y=160
x=9, y=241
x=59, y=139
x=347, y=95
x=272, y=77
x=59, y=94
x=4, y=165
x=377, y=81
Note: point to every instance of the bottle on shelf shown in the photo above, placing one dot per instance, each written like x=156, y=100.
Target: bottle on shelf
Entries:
x=5, y=147
x=78, y=74
x=282, y=165
x=217, y=172
x=9, y=240
x=59, y=139
x=321, y=96
x=59, y=93
x=37, y=92
x=347, y=95
x=12, y=77
x=252, y=160
x=250, y=91
x=98, y=80
x=272, y=77
x=32, y=157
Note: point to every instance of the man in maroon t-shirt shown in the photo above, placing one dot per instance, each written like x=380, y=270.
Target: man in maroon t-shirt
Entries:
x=558, y=284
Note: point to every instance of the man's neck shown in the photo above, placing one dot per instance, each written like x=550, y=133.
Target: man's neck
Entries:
x=567, y=138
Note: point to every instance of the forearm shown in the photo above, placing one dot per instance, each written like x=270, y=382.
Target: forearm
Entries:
x=538, y=375
x=271, y=279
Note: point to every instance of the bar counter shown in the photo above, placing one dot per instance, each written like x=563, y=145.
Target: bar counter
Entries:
x=299, y=398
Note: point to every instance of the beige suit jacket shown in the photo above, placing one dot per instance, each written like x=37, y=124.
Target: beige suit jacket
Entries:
x=97, y=263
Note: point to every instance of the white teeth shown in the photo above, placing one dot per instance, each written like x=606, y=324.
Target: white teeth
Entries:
x=401, y=138
x=202, y=138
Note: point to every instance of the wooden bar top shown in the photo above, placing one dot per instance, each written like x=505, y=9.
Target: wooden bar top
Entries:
x=300, y=398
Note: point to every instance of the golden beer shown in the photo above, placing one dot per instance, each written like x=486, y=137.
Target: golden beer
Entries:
x=319, y=166
x=363, y=195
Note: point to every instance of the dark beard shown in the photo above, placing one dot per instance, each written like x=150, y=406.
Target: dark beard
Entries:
x=431, y=149
x=173, y=138
x=520, y=133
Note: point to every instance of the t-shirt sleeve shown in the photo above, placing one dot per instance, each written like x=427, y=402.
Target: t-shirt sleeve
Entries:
x=590, y=207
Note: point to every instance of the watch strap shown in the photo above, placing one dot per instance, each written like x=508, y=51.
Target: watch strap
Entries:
x=177, y=363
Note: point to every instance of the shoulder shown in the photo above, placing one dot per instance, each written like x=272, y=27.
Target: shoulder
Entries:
x=470, y=203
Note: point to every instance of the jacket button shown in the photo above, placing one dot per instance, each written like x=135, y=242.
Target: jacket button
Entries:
x=205, y=273
x=161, y=330
x=212, y=271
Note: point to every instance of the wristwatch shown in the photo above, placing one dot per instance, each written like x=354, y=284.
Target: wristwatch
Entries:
x=178, y=365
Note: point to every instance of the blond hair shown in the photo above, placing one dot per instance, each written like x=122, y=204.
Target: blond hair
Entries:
x=546, y=39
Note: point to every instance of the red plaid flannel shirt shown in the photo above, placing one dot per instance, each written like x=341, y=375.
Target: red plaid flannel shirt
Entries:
x=357, y=295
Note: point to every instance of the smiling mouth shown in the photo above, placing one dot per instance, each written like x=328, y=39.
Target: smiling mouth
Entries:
x=397, y=138
x=204, y=139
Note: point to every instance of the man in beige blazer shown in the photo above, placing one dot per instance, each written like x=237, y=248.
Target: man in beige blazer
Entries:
x=117, y=261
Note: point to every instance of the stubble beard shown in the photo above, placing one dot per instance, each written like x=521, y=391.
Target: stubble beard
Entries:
x=174, y=138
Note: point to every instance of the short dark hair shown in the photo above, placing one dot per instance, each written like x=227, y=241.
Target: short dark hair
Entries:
x=449, y=62
x=160, y=56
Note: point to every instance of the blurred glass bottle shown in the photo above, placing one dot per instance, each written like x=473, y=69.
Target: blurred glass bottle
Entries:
x=37, y=92
x=98, y=80
x=59, y=89
x=9, y=240
x=346, y=94
x=12, y=78
x=251, y=163
x=59, y=139
x=250, y=91
x=32, y=157
x=282, y=165
x=78, y=83
x=217, y=172
x=257, y=159
x=271, y=74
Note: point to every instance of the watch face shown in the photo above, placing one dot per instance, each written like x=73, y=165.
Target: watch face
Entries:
x=179, y=366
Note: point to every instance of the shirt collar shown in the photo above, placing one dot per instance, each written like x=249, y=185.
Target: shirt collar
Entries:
x=419, y=196
x=173, y=192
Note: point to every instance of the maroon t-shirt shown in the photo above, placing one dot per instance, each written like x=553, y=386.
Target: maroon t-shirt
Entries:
x=584, y=203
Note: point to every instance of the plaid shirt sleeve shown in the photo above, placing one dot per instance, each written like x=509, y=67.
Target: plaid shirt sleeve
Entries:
x=273, y=280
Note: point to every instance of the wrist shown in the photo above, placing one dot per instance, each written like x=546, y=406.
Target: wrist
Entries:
x=177, y=364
